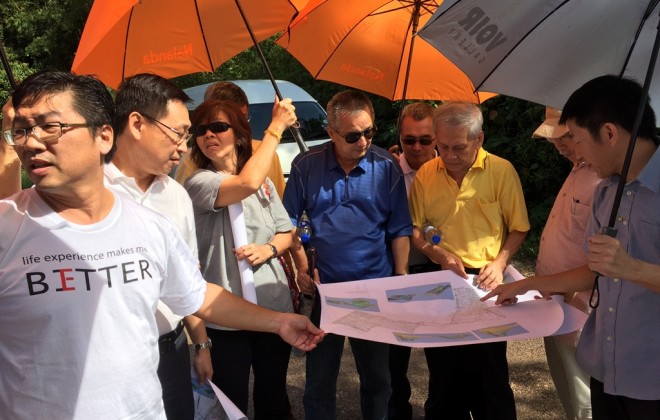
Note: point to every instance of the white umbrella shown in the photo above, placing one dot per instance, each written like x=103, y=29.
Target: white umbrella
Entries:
x=543, y=50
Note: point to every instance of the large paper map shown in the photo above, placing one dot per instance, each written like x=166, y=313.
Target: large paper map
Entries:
x=432, y=310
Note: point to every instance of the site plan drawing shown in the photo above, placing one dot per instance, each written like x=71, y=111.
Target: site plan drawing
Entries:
x=433, y=310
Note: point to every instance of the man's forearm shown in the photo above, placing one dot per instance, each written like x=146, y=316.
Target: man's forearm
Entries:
x=512, y=244
x=224, y=308
x=400, y=253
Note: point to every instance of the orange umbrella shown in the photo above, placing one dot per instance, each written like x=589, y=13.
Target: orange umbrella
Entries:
x=172, y=37
x=367, y=45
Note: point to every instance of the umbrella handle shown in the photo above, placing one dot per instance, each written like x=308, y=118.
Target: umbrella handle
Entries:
x=295, y=127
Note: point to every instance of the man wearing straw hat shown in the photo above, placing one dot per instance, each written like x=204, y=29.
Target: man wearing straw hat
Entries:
x=560, y=250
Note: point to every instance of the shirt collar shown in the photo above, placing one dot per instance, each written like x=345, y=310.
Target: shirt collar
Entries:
x=650, y=175
x=115, y=176
x=479, y=162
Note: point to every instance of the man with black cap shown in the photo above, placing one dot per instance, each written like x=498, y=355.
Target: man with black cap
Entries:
x=560, y=250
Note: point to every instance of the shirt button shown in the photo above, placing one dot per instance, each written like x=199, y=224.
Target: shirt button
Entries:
x=620, y=218
x=615, y=280
x=609, y=338
x=628, y=192
x=610, y=309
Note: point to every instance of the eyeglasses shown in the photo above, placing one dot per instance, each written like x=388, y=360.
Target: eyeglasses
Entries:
x=424, y=141
x=181, y=137
x=215, y=127
x=42, y=132
x=354, y=136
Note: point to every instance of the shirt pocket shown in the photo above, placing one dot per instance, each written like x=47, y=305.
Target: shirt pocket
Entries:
x=488, y=218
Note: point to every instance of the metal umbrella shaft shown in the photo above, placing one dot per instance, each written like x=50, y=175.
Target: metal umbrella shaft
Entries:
x=414, y=19
x=5, y=64
x=294, y=129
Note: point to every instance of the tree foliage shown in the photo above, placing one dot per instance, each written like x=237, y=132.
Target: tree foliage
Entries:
x=44, y=34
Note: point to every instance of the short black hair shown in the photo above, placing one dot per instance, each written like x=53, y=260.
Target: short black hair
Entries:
x=610, y=99
x=147, y=94
x=91, y=98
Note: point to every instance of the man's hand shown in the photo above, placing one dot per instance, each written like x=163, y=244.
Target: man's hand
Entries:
x=203, y=366
x=299, y=331
x=490, y=276
x=506, y=293
x=607, y=257
x=449, y=261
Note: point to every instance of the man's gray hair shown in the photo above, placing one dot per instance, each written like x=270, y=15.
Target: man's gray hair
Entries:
x=459, y=114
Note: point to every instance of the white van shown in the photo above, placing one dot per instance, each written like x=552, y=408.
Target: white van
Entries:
x=260, y=93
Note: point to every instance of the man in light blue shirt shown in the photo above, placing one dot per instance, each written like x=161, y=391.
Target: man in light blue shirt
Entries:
x=620, y=341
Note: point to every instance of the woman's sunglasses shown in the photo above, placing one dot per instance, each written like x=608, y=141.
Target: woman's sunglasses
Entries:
x=215, y=127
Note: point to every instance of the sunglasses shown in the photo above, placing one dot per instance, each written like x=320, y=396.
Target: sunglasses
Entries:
x=354, y=136
x=215, y=127
x=424, y=141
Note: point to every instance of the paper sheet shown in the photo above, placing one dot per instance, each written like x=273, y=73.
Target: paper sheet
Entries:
x=431, y=310
x=240, y=239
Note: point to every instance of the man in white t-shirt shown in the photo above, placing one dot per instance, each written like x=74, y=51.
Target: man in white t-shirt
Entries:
x=83, y=269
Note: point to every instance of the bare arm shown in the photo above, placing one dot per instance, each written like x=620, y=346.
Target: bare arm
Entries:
x=491, y=274
x=400, y=252
x=576, y=280
x=202, y=359
x=223, y=308
x=237, y=187
x=10, y=166
x=305, y=282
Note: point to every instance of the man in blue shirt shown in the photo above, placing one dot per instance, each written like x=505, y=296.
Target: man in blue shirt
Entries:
x=620, y=341
x=354, y=195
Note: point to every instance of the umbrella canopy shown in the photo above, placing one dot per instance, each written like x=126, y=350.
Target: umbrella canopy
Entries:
x=366, y=45
x=172, y=37
x=543, y=50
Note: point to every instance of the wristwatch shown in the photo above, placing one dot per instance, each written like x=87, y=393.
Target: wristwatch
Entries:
x=207, y=345
x=272, y=248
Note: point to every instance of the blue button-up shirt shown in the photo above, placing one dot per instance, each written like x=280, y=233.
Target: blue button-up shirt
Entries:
x=354, y=217
x=620, y=343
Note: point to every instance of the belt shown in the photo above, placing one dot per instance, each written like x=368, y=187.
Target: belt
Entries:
x=423, y=268
x=469, y=270
x=166, y=341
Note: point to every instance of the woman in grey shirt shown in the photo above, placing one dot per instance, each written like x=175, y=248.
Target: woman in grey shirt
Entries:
x=230, y=174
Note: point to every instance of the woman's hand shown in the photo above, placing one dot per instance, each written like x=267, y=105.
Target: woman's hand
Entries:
x=254, y=254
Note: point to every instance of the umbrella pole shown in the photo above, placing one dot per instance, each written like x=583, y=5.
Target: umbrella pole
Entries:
x=5, y=64
x=414, y=18
x=610, y=230
x=295, y=128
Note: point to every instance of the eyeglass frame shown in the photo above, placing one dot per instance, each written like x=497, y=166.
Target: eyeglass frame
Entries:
x=8, y=134
x=183, y=137
x=373, y=129
x=422, y=140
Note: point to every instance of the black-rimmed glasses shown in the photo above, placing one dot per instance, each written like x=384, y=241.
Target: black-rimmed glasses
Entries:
x=181, y=137
x=215, y=127
x=44, y=132
x=353, y=136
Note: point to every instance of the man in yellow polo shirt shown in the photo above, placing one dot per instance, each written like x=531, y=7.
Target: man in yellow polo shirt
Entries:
x=476, y=200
